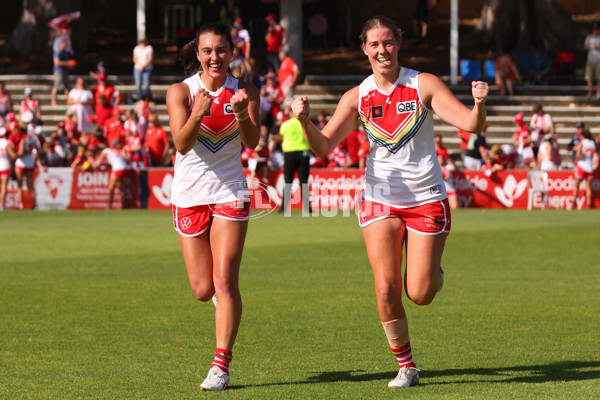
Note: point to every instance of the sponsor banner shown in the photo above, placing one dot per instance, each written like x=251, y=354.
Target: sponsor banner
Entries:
x=68, y=189
x=509, y=189
x=329, y=190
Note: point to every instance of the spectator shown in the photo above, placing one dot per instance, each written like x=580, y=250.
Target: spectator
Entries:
x=522, y=140
x=448, y=168
x=50, y=158
x=420, y=19
x=580, y=126
x=62, y=63
x=84, y=160
x=476, y=151
x=118, y=159
x=545, y=159
x=135, y=149
x=339, y=157
x=238, y=30
x=60, y=29
x=464, y=137
x=6, y=103
x=540, y=124
x=143, y=67
x=322, y=120
x=592, y=66
x=287, y=76
x=351, y=144
x=510, y=157
x=106, y=97
x=507, y=74
x=94, y=138
x=100, y=69
x=30, y=110
x=258, y=161
x=238, y=64
x=585, y=163
x=296, y=158
x=7, y=154
x=271, y=98
x=28, y=158
x=143, y=109
x=113, y=127
x=156, y=142
x=131, y=125
x=276, y=38
x=80, y=100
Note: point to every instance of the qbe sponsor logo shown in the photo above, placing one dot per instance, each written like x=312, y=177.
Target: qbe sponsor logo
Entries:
x=404, y=107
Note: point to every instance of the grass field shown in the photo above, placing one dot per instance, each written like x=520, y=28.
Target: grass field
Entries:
x=96, y=305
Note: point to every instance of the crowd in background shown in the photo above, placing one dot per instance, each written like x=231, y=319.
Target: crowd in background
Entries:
x=95, y=120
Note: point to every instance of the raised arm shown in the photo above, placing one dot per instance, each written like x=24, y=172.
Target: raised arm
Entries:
x=184, y=125
x=339, y=126
x=245, y=103
x=437, y=96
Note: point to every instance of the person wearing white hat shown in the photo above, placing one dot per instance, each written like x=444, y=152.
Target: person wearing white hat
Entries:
x=30, y=110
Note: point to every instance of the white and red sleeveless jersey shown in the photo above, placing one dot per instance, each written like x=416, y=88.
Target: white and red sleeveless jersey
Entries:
x=212, y=171
x=586, y=157
x=32, y=149
x=4, y=157
x=402, y=168
x=115, y=159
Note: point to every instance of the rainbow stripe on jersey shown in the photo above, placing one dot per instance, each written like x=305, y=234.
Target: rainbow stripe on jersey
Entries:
x=406, y=129
x=215, y=140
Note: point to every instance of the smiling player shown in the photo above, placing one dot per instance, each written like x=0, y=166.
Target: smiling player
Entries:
x=210, y=114
x=404, y=198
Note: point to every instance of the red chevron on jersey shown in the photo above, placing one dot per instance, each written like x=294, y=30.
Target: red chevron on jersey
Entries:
x=392, y=119
x=220, y=126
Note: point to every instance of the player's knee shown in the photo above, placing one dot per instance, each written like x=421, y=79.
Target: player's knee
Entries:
x=388, y=295
x=421, y=296
x=203, y=292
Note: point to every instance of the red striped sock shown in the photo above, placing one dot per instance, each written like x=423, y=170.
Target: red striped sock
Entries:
x=404, y=356
x=222, y=359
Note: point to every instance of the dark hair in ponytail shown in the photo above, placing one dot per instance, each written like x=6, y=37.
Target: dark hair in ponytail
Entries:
x=188, y=53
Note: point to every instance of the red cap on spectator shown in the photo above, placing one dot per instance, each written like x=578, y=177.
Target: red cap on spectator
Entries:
x=10, y=117
x=61, y=124
x=270, y=16
x=238, y=21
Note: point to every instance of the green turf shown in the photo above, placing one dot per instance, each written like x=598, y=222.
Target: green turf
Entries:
x=96, y=305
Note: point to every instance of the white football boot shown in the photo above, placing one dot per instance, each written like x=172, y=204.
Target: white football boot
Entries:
x=217, y=379
x=407, y=376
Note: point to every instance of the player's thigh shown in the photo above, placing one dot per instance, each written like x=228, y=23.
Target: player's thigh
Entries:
x=227, y=239
x=384, y=240
x=423, y=259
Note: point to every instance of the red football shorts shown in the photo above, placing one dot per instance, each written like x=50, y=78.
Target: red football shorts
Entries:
x=5, y=172
x=25, y=169
x=121, y=173
x=196, y=220
x=581, y=174
x=428, y=219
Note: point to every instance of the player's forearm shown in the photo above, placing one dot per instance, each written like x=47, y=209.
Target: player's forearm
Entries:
x=319, y=143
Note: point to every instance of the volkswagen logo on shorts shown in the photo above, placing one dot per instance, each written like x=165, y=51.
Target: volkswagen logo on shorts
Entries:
x=185, y=223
